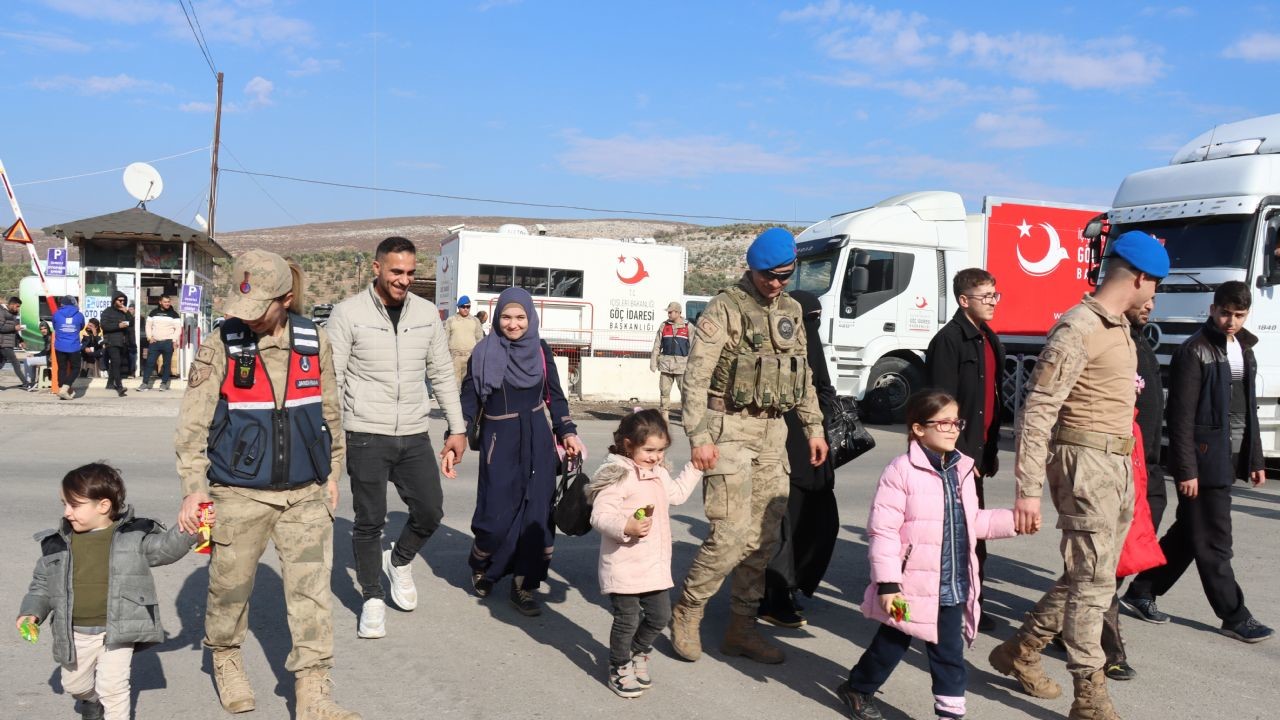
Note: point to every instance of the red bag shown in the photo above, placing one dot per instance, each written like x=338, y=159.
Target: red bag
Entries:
x=1141, y=549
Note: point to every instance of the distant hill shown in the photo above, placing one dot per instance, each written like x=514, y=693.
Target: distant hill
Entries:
x=336, y=255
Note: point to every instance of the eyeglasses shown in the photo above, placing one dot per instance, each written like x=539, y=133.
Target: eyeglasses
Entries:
x=947, y=425
x=464, y=307
x=988, y=299
x=778, y=276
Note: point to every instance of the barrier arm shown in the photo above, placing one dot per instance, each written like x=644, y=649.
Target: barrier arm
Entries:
x=35, y=262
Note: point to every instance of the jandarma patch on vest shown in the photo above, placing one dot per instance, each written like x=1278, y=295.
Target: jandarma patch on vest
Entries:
x=786, y=328
x=308, y=383
x=707, y=327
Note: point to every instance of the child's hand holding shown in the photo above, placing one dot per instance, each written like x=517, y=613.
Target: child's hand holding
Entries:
x=638, y=528
x=886, y=602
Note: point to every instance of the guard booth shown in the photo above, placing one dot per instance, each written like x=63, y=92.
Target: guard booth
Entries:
x=144, y=256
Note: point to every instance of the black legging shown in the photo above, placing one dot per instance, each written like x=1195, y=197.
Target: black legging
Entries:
x=68, y=367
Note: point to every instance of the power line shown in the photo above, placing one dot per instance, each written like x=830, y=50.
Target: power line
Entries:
x=521, y=203
x=201, y=29
x=109, y=170
x=199, y=38
x=295, y=220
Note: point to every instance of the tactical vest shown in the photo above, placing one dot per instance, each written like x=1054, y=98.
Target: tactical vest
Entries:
x=253, y=443
x=768, y=369
x=675, y=340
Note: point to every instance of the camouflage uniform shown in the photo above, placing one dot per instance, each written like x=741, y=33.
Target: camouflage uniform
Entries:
x=298, y=521
x=464, y=333
x=1077, y=431
x=745, y=494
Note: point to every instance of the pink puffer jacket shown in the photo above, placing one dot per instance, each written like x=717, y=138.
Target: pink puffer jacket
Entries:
x=632, y=565
x=905, y=531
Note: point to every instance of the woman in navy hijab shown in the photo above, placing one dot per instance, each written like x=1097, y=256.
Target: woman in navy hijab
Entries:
x=511, y=379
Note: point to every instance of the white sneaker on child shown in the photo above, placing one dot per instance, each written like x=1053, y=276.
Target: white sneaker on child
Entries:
x=373, y=620
x=622, y=681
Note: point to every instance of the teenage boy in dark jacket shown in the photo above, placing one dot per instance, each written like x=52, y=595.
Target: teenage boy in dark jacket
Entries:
x=1213, y=441
x=966, y=360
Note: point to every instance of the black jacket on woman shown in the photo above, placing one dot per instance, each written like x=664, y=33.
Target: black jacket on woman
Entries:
x=956, y=361
x=1200, y=407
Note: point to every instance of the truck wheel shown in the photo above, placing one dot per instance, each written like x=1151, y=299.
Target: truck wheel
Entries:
x=893, y=380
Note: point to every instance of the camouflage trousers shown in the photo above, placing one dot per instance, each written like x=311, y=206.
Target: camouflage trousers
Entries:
x=745, y=497
x=300, y=524
x=665, y=381
x=460, y=367
x=1093, y=494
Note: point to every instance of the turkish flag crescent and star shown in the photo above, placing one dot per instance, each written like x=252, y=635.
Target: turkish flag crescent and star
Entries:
x=1040, y=260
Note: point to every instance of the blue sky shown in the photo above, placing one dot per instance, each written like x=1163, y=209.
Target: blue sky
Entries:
x=772, y=110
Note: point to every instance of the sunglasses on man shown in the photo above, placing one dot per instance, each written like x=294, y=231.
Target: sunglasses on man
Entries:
x=464, y=307
x=778, y=276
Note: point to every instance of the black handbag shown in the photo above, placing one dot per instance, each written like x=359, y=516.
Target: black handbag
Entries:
x=847, y=437
x=474, y=429
x=572, y=511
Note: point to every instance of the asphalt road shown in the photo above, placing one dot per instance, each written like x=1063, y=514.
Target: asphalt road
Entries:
x=460, y=657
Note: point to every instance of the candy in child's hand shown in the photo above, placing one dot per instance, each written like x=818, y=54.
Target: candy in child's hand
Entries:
x=29, y=631
x=644, y=512
x=901, y=611
x=205, y=531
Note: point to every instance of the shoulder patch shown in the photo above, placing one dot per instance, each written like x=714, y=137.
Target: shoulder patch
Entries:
x=707, y=328
x=202, y=366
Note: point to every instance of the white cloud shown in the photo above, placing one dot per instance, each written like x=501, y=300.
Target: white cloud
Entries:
x=1016, y=131
x=1177, y=12
x=1101, y=63
x=259, y=90
x=940, y=90
x=45, y=41
x=1258, y=47
x=893, y=41
x=625, y=157
x=223, y=21
x=197, y=107
x=314, y=66
x=101, y=85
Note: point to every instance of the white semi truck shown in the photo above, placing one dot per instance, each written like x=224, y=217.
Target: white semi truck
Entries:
x=883, y=275
x=1216, y=206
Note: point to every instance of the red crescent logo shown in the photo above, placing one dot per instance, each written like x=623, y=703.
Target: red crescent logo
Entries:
x=921, y=302
x=641, y=273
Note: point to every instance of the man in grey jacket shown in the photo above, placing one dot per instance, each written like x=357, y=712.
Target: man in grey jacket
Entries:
x=387, y=343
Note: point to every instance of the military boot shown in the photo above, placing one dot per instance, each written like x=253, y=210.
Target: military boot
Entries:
x=314, y=690
x=685, y=638
x=1019, y=656
x=1092, y=700
x=234, y=690
x=744, y=638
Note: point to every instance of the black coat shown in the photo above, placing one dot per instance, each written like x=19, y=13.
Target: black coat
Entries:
x=803, y=474
x=1200, y=407
x=1150, y=404
x=956, y=363
x=112, y=334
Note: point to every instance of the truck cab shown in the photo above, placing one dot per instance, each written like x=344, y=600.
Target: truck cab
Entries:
x=1216, y=206
x=882, y=275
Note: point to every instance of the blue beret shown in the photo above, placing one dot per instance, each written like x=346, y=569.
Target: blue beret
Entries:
x=464, y=300
x=771, y=248
x=1143, y=251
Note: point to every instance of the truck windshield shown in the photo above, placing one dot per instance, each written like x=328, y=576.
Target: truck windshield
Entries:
x=1221, y=241
x=814, y=273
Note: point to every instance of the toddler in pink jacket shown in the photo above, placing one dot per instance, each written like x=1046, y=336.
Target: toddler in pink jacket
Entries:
x=924, y=527
x=630, y=494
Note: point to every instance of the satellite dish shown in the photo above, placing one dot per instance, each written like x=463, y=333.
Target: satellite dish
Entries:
x=143, y=182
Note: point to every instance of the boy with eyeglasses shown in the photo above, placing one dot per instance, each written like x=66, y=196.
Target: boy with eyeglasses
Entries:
x=966, y=360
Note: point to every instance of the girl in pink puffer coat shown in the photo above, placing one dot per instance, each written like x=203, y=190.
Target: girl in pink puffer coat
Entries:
x=924, y=526
x=629, y=497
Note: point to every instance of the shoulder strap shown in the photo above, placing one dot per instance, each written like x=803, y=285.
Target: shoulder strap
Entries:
x=546, y=381
x=237, y=338
x=304, y=338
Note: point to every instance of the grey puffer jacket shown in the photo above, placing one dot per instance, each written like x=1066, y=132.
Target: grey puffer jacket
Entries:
x=133, y=612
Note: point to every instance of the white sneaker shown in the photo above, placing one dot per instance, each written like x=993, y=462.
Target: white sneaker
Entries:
x=373, y=620
x=403, y=592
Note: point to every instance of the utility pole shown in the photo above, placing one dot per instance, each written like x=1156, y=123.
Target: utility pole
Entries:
x=213, y=167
